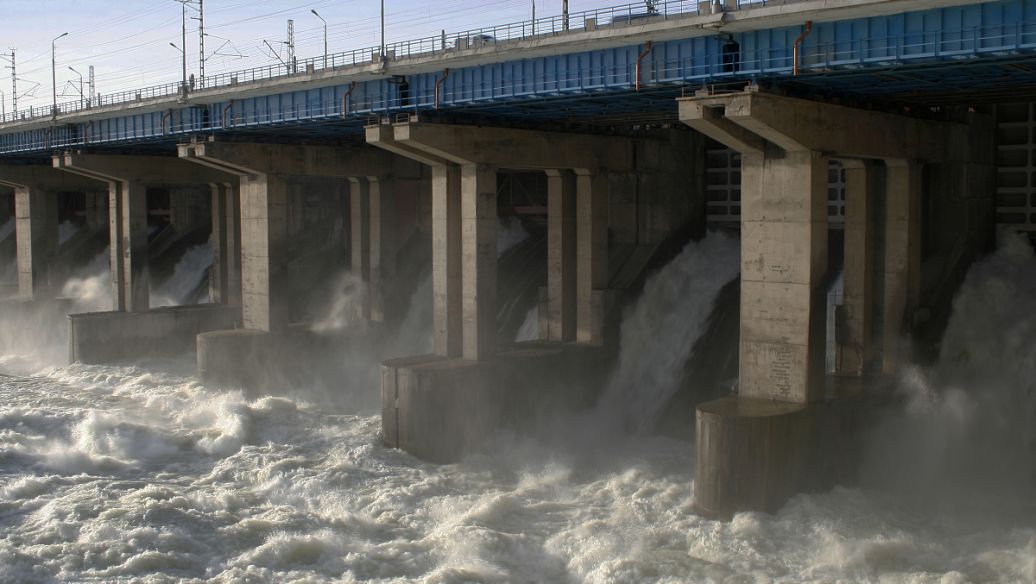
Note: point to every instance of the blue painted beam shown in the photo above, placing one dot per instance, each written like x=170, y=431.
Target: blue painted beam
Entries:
x=972, y=34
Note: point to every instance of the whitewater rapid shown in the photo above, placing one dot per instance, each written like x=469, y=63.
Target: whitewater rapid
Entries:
x=140, y=474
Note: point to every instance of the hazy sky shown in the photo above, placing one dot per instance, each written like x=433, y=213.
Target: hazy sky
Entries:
x=127, y=41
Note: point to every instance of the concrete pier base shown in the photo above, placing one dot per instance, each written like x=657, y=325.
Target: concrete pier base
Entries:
x=260, y=361
x=755, y=454
x=102, y=337
x=441, y=409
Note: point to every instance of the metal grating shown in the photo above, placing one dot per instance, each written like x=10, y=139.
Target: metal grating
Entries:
x=723, y=188
x=1016, y=166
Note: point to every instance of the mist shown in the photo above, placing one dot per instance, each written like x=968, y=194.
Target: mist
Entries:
x=966, y=432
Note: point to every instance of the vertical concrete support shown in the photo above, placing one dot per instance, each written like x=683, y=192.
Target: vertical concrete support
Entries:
x=264, y=261
x=129, y=252
x=783, y=260
x=902, y=258
x=382, y=213
x=855, y=346
x=591, y=255
x=561, y=257
x=478, y=259
x=359, y=230
x=36, y=232
x=446, y=259
x=225, y=276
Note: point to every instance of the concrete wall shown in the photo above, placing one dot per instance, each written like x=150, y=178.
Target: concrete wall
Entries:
x=99, y=337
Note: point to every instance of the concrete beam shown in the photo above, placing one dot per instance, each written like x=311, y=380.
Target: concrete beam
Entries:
x=783, y=262
x=297, y=160
x=478, y=259
x=800, y=124
x=149, y=170
x=383, y=136
x=36, y=227
x=902, y=259
x=446, y=237
x=225, y=276
x=710, y=121
x=46, y=178
x=517, y=149
x=561, y=257
x=856, y=346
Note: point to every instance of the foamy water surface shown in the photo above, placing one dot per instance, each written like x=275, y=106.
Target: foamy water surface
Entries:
x=141, y=474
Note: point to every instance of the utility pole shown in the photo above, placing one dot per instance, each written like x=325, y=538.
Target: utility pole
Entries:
x=291, y=47
x=201, y=43
x=533, y=17
x=93, y=88
x=384, y=62
x=14, y=81
x=183, y=45
x=54, y=74
x=564, y=14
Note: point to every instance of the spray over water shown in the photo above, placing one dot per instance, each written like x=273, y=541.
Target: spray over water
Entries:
x=188, y=274
x=90, y=286
x=659, y=332
x=968, y=432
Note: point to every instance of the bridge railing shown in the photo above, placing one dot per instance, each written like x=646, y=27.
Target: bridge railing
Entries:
x=622, y=15
x=947, y=43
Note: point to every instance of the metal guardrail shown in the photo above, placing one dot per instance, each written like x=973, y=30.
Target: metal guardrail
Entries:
x=622, y=15
x=946, y=44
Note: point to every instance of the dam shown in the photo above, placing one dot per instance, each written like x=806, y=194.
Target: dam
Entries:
x=684, y=292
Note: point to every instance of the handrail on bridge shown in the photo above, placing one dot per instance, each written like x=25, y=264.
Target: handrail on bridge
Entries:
x=621, y=15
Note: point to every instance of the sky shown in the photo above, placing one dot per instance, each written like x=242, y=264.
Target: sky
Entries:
x=128, y=41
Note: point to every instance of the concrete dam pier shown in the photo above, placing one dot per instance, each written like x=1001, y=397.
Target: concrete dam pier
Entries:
x=860, y=173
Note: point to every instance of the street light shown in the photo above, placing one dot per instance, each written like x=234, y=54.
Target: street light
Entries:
x=533, y=17
x=81, y=96
x=183, y=84
x=325, y=34
x=54, y=74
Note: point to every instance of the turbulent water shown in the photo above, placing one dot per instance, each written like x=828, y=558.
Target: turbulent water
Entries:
x=187, y=275
x=140, y=474
x=659, y=333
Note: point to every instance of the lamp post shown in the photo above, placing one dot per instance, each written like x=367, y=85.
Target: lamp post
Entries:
x=183, y=84
x=82, y=97
x=383, y=61
x=533, y=17
x=54, y=74
x=315, y=13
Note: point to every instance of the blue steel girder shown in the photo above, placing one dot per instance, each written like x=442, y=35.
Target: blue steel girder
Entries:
x=939, y=51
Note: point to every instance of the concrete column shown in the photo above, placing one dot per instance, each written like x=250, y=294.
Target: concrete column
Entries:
x=382, y=213
x=902, y=258
x=36, y=232
x=129, y=251
x=446, y=259
x=591, y=255
x=855, y=346
x=783, y=260
x=478, y=258
x=264, y=261
x=561, y=257
x=359, y=231
x=225, y=276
